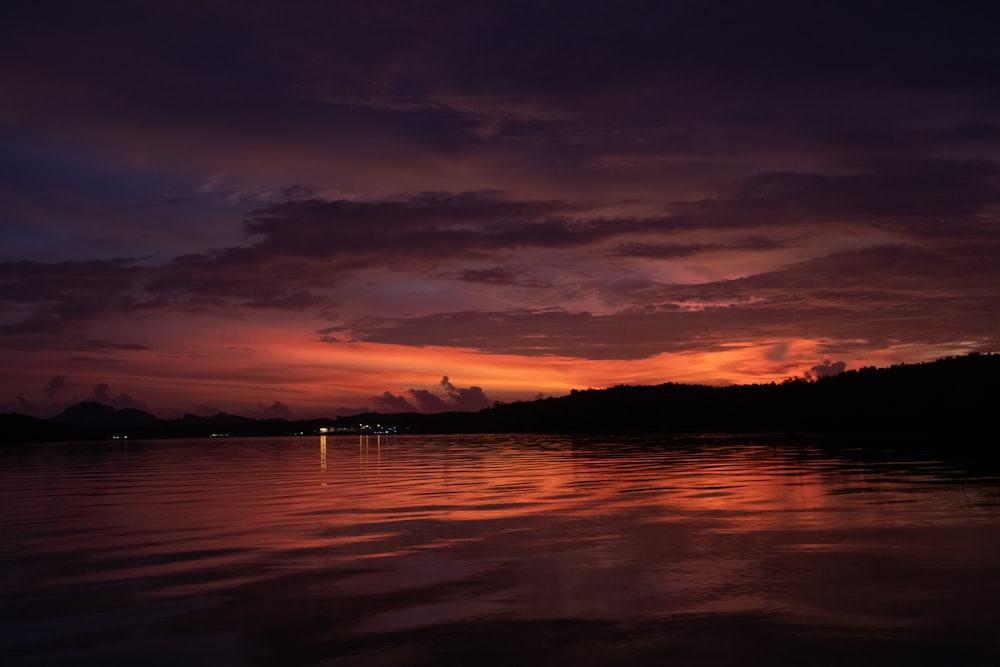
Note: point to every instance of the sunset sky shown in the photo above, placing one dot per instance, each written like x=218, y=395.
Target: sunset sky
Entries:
x=305, y=209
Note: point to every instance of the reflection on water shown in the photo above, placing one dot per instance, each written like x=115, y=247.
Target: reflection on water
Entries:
x=370, y=453
x=494, y=549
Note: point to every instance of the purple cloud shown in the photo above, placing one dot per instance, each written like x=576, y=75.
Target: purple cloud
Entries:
x=56, y=385
x=469, y=399
x=826, y=369
x=102, y=394
x=276, y=410
x=388, y=402
x=595, y=180
x=428, y=401
x=464, y=399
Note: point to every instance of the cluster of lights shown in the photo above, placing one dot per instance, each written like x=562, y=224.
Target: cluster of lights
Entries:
x=377, y=429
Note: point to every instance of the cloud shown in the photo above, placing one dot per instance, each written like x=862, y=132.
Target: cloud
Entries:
x=463, y=399
x=681, y=250
x=905, y=195
x=301, y=252
x=826, y=369
x=64, y=294
x=205, y=410
x=388, y=402
x=562, y=83
x=498, y=275
x=428, y=401
x=308, y=255
x=630, y=334
x=581, y=299
x=99, y=361
x=888, y=295
x=433, y=225
x=600, y=180
x=102, y=394
x=778, y=352
x=299, y=301
x=468, y=399
x=276, y=410
x=56, y=385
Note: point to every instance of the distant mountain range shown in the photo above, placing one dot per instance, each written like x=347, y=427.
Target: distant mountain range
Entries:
x=956, y=394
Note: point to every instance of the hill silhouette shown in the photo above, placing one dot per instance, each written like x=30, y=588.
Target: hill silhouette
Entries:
x=949, y=395
x=91, y=414
x=956, y=393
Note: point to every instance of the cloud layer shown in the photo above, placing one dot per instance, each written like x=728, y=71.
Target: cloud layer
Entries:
x=273, y=211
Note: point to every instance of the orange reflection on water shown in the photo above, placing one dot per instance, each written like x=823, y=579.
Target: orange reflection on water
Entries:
x=743, y=488
x=520, y=526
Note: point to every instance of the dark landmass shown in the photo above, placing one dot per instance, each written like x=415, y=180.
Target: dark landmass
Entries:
x=952, y=394
x=948, y=395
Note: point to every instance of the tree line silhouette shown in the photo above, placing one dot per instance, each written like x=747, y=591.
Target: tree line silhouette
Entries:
x=955, y=394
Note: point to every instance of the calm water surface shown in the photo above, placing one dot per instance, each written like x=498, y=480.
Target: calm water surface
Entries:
x=525, y=550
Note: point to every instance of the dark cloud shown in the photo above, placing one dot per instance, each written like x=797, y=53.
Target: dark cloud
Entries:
x=625, y=335
x=56, y=385
x=430, y=225
x=70, y=296
x=428, y=401
x=34, y=281
x=60, y=295
x=63, y=296
x=102, y=394
x=469, y=399
x=778, y=352
x=343, y=410
x=276, y=410
x=304, y=250
x=901, y=294
x=206, y=410
x=446, y=78
x=100, y=361
x=973, y=133
x=664, y=250
x=499, y=276
x=495, y=276
x=527, y=44
x=292, y=301
x=826, y=369
x=297, y=192
x=680, y=250
x=75, y=342
x=388, y=402
x=465, y=399
x=926, y=197
x=605, y=180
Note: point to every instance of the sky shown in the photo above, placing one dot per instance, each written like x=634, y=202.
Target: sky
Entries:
x=299, y=209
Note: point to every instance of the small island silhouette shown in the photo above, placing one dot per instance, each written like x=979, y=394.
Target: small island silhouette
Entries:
x=950, y=395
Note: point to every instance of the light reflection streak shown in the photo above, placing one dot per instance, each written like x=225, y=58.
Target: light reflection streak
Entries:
x=370, y=452
x=322, y=455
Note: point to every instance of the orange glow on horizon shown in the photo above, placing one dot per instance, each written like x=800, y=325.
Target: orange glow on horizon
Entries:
x=244, y=369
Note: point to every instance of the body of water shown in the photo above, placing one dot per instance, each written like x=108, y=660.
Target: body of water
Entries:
x=496, y=550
